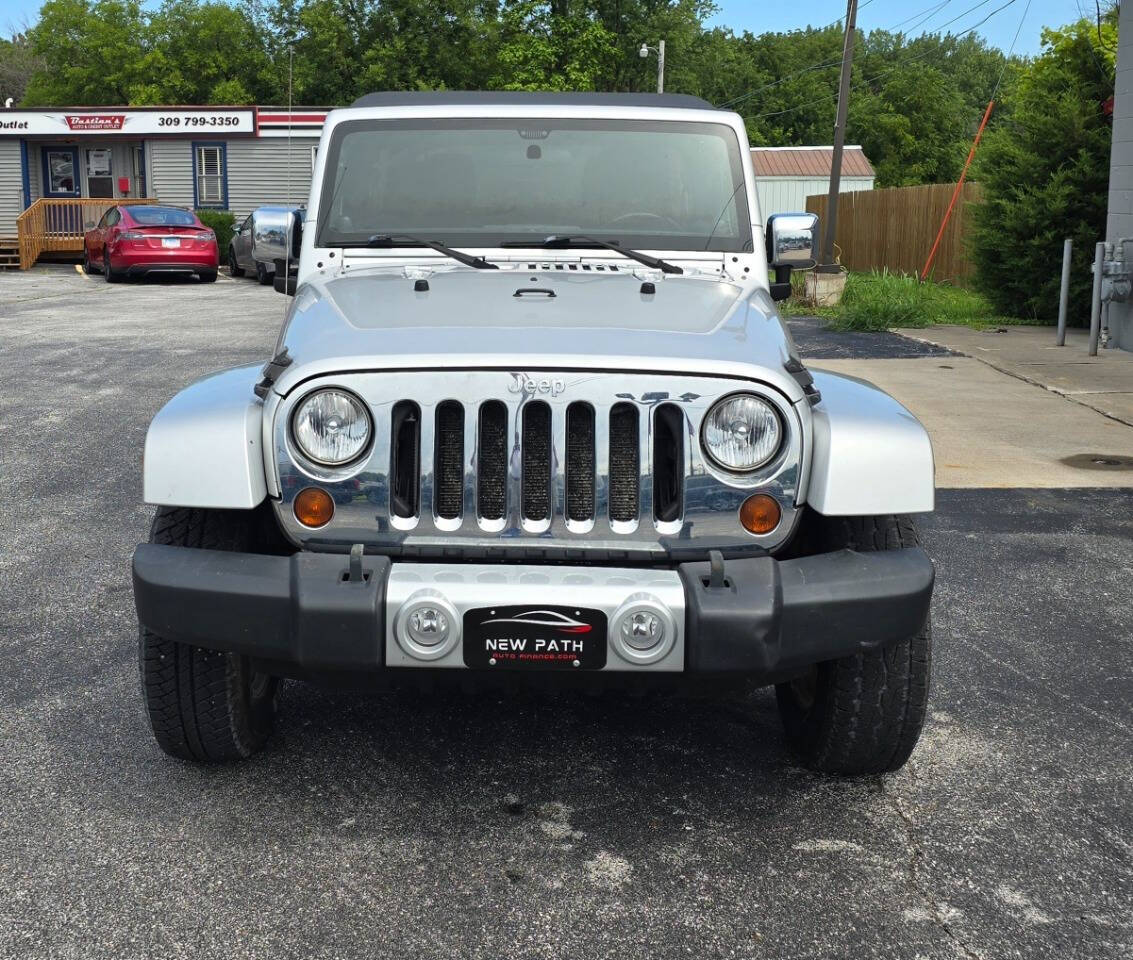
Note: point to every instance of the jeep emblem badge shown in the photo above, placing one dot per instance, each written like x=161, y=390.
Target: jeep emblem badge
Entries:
x=522, y=383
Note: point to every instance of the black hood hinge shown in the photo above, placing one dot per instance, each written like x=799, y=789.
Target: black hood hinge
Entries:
x=275, y=366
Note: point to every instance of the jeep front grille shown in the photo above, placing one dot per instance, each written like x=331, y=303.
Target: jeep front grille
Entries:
x=535, y=463
x=537, y=456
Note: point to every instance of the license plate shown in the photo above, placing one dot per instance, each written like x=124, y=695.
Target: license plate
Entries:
x=171, y=241
x=535, y=637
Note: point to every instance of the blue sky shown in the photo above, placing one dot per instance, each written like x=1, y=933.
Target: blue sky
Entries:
x=761, y=16
x=999, y=30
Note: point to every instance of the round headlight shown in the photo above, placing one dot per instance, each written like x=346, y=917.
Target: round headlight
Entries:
x=331, y=427
x=742, y=432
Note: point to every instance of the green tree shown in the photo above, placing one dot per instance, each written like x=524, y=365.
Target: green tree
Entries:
x=1045, y=174
x=17, y=65
x=92, y=52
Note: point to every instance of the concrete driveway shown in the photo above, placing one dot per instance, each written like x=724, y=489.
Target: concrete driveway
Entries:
x=397, y=826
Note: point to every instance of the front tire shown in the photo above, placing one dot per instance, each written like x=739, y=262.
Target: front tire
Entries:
x=861, y=714
x=204, y=705
x=234, y=268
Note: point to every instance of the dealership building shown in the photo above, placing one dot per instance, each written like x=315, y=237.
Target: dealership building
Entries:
x=224, y=158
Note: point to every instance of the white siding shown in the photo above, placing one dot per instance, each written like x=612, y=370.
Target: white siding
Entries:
x=788, y=194
x=257, y=172
x=11, y=186
x=171, y=171
x=35, y=171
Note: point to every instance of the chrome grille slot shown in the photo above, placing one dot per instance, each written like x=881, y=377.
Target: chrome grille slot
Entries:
x=625, y=465
x=668, y=463
x=580, y=462
x=537, y=461
x=491, y=461
x=448, y=460
x=405, y=459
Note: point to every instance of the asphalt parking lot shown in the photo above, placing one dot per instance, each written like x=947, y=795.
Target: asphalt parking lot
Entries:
x=396, y=826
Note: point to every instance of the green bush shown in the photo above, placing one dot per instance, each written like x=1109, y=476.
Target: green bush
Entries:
x=223, y=224
x=1045, y=175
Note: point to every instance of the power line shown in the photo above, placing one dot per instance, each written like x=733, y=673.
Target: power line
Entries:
x=1011, y=49
x=805, y=70
x=925, y=15
x=884, y=73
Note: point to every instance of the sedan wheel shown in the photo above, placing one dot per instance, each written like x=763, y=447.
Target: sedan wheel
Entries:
x=107, y=270
x=234, y=268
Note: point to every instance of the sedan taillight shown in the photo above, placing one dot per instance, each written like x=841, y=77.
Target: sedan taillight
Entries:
x=131, y=235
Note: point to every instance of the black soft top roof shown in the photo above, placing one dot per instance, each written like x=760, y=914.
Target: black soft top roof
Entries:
x=457, y=98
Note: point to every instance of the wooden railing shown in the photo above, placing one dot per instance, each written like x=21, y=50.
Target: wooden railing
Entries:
x=53, y=224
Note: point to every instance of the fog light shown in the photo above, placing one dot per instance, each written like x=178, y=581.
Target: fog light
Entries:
x=427, y=626
x=642, y=630
x=760, y=514
x=313, y=507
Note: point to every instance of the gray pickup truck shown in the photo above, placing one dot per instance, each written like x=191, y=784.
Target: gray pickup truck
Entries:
x=533, y=415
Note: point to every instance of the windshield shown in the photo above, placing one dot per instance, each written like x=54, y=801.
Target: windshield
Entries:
x=659, y=185
x=161, y=217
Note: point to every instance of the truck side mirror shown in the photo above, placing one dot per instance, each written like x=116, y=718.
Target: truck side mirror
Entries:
x=792, y=241
x=286, y=278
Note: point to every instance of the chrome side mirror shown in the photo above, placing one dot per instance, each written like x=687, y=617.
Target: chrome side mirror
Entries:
x=286, y=278
x=792, y=239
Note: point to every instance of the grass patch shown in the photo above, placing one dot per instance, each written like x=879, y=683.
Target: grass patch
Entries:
x=881, y=300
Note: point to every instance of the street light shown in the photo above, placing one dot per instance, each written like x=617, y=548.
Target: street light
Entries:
x=660, y=51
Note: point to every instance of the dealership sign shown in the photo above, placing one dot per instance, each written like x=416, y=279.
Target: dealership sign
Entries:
x=96, y=121
x=161, y=120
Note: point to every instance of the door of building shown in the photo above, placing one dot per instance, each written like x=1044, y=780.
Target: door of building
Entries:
x=61, y=172
x=100, y=179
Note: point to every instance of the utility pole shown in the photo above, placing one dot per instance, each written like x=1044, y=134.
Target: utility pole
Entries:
x=660, y=51
x=826, y=257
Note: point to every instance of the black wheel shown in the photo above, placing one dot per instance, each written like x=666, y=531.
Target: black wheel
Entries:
x=204, y=704
x=208, y=276
x=88, y=267
x=234, y=269
x=107, y=270
x=262, y=274
x=862, y=714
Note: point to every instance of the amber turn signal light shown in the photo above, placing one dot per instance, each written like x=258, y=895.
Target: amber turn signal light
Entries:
x=313, y=507
x=760, y=513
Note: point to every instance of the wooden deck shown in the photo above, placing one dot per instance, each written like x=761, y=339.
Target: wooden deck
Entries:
x=53, y=225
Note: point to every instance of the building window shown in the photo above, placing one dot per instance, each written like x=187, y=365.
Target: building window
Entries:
x=210, y=175
x=139, y=171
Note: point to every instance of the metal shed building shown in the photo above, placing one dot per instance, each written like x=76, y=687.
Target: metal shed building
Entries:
x=786, y=176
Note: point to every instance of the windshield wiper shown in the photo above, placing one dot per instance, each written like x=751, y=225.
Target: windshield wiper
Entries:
x=564, y=240
x=405, y=240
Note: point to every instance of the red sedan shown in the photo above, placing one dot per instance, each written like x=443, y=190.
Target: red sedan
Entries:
x=139, y=239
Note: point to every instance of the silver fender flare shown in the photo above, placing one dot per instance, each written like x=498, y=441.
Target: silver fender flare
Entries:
x=205, y=446
x=870, y=455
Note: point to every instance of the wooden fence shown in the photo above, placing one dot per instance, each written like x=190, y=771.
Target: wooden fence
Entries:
x=894, y=229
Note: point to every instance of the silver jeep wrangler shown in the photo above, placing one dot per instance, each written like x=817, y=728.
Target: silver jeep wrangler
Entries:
x=533, y=415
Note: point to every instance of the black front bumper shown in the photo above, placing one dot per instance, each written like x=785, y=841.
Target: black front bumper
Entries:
x=768, y=619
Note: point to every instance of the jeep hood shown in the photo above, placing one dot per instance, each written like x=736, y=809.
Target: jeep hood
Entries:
x=535, y=320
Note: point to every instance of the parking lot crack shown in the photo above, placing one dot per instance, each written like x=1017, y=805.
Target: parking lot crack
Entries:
x=939, y=913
